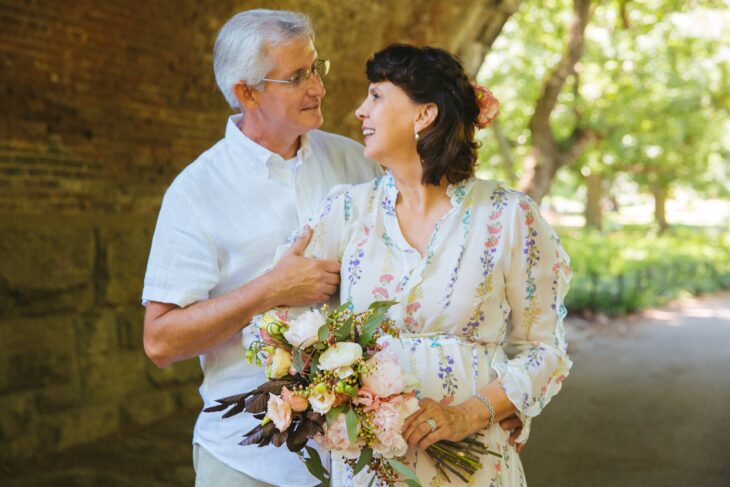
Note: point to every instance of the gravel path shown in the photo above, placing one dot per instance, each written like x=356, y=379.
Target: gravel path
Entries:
x=647, y=403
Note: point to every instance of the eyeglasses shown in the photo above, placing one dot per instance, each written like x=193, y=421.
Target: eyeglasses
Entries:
x=319, y=68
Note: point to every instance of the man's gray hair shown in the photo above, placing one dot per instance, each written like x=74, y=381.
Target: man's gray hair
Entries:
x=240, y=49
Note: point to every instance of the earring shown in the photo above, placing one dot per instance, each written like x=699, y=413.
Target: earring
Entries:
x=415, y=133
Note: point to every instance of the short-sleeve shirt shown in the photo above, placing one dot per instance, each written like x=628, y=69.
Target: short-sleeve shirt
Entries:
x=220, y=223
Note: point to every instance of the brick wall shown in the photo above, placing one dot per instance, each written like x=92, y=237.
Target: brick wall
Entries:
x=102, y=104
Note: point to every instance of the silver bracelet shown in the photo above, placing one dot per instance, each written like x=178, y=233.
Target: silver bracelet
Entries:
x=479, y=396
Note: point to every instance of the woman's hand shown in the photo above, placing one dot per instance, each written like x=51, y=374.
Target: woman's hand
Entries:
x=452, y=423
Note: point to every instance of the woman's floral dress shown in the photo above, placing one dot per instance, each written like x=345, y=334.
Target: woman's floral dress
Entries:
x=492, y=279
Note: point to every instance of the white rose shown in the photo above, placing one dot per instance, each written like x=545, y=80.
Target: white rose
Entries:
x=302, y=331
x=340, y=354
x=344, y=372
x=321, y=403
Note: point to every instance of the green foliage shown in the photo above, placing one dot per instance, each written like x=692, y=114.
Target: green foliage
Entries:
x=654, y=83
x=624, y=271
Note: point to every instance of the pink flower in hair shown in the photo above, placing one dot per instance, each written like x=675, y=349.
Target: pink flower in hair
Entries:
x=488, y=106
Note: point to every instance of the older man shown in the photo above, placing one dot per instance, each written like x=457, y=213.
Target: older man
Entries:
x=222, y=219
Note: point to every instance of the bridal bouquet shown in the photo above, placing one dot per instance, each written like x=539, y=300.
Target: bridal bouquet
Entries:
x=332, y=380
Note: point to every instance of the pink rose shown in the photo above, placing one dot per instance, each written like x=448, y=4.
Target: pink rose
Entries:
x=279, y=412
x=266, y=338
x=336, y=438
x=367, y=398
x=488, y=106
x=296, y=402
x=385, y=376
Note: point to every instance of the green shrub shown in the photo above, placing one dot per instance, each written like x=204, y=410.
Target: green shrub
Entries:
x=624, y=271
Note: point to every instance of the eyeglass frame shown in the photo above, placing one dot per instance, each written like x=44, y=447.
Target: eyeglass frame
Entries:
x=303, y=76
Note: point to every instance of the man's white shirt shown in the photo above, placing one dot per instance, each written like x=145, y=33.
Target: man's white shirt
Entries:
x=220, y=223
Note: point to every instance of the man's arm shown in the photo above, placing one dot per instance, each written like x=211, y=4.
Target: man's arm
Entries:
x=172, y=333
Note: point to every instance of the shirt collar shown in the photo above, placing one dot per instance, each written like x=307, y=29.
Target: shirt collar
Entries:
x=258, y=156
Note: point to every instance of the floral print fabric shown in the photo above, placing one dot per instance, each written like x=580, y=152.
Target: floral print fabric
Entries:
x=492, y=279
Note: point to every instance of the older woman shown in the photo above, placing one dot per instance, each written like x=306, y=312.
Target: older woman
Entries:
x=472, y=264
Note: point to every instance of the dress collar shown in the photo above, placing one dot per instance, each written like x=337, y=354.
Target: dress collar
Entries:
x=456, y=192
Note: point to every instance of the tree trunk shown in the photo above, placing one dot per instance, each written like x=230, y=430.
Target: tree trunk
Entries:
x=538, y=171
x=548, y=155
x=481, y=25
x=660, y=203
x=504, y=150
x=593, y=212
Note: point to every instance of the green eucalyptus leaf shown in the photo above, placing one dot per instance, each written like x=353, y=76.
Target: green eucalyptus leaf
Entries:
x=365, y=456
x=332, y=414
x=323, y=333
x=297, y=360
x=404, y=471
x=343, y=333
x=351, y=422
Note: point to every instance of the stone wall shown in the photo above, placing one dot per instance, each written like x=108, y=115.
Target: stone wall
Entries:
x=103, y=103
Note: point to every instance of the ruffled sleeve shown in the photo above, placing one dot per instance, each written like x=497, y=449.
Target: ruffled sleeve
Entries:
x=537, y=277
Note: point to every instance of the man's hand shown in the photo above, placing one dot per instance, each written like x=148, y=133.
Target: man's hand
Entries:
x=300, y=281
x=514, y=425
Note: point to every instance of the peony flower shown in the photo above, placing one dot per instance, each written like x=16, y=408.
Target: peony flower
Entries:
x=407, y=404
x=384, y=376
x=322, y=402
x=302, y=331
x=279, y=412
x=280, y=363
x=340, y=354
x=388, y=422
x=295, y=401
x=488, y=106
x=410, y=382
x=337, y=439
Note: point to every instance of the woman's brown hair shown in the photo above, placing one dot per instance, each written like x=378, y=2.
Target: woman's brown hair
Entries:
x=431, y=75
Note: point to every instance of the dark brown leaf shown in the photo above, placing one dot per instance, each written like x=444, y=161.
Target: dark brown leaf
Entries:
x=297, y=437
x=216, y=408
x=257, y=403
x=316, y=417
x=236, y=398
x=278, y=438
x=253, y=437
x=238, y=408
x=269, y=428
x=275, y=386
x=255, y=430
